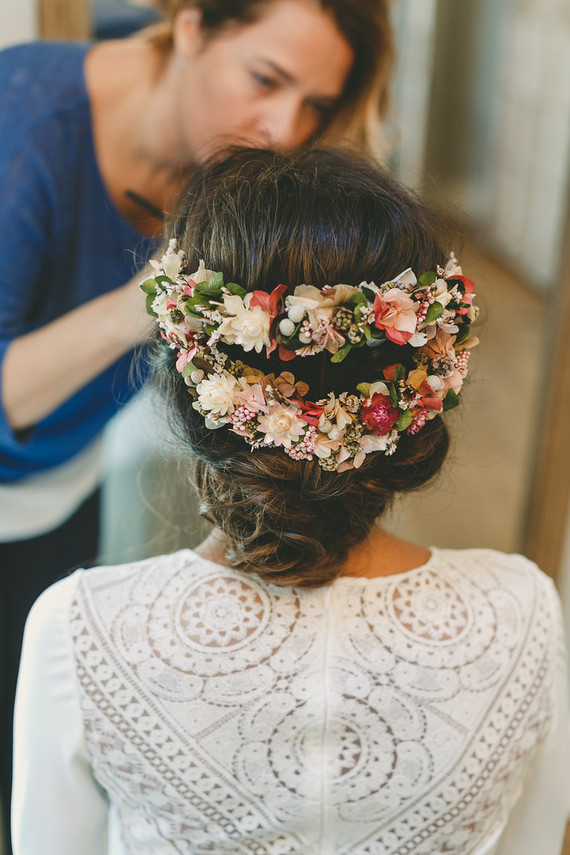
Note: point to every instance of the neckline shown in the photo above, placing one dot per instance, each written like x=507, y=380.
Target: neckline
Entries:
x=362, y=580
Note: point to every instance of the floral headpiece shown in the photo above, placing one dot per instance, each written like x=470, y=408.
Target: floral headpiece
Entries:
x=430, y=316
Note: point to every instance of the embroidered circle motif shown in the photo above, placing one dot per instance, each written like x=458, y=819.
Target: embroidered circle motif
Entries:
x=429, y=608
x=221, y=613
x=364, y=758
x=218, y=624
x=452, y=619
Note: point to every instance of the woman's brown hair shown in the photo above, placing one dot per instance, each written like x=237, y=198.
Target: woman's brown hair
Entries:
x=366, y=26
x=320, y=217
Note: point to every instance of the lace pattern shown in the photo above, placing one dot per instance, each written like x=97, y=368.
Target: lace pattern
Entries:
x=379, y=717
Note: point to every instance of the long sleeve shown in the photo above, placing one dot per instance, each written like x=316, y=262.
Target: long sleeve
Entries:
x=538, y=820
x=58, y=808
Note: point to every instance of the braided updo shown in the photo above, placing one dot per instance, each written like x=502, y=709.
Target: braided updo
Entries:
x=317, y=218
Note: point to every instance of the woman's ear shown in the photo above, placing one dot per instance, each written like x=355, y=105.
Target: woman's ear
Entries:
x=187, y=32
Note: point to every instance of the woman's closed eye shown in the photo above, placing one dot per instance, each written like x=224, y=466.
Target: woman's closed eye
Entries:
x=264, y=81
x=324, y=109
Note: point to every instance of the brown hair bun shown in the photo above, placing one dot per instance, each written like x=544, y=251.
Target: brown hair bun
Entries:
x=317, y=218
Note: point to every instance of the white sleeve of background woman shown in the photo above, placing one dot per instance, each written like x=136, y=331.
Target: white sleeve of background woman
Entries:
x=57, y=806
x=537, y=823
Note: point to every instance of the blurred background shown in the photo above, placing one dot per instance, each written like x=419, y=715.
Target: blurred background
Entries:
x=481, y=129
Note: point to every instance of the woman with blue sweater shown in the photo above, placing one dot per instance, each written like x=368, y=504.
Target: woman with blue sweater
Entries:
x=95, y=143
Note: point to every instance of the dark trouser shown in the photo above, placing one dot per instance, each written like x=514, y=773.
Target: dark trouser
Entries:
x=28, y=567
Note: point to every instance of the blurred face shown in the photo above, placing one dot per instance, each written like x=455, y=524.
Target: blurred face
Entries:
x=271, y=83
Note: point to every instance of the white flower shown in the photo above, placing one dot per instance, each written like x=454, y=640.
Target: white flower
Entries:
x=217, y=393
x=407, y=279
x=245, y=326
x=281, y=425
x=372, y=442
x=305, y=298
x=202, y=274
x=171, y=261
x=336, y=295
x=441, y=294
x=418, y=339
x=452, y=267
x=378, y=388
x=324, y=446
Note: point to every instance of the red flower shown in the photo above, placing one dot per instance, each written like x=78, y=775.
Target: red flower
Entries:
x=467, y=300
x=311, y=413
x=378, y=414
x=268, y=302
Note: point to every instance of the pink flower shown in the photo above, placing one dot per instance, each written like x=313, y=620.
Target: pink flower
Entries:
x=281, y=425
x=378, y=414
x=328, y=337
x=419, y=420
x=184, y=357
x=253, y=398
x=395, y=313
x=189, y=288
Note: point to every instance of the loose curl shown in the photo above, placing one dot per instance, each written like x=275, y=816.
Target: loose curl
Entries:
x=317, y=218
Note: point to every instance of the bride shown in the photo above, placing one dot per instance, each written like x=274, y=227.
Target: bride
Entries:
x=303, y=682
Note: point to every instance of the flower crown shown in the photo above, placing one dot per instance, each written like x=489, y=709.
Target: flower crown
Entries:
x=430, y=316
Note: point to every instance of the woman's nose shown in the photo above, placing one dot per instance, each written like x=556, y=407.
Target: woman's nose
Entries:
x=286, y=125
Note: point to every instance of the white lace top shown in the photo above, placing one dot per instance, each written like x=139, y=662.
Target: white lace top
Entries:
x=210, y=712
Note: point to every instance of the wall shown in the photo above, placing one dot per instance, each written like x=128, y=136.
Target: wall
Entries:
x=18, y=21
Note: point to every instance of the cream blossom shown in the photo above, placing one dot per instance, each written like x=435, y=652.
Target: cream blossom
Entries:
x=303, y=301
x=202, y=274
x=248, y=327
x=281, y=425
x=324, y=446
x=171, y=261
x=337, y=295
x=406, y=278
x=217, y=394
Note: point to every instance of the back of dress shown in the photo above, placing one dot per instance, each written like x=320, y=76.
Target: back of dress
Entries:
x=373, y=716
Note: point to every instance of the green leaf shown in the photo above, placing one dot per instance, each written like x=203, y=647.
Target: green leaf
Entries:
x=358, y=299
x=434, y=312
x=364, y=388
x=149, y=302
x=341, y=353
x=370, y=295
x=234, y=288
x=427, y=279
x=161, y=278
x=188, y=369
x=149, y=286
x=213, y=287
x=463, y=333
x=190, y=310
x=198, y=300
x=400, y=372
x=393, y=394
x=367, y=333
x=404, y=420
x=451, y=400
